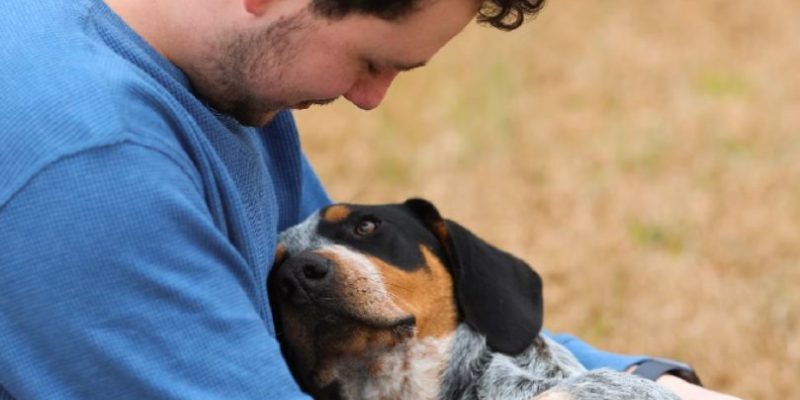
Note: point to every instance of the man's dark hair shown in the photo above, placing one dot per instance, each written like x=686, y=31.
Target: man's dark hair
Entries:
x=502, y=14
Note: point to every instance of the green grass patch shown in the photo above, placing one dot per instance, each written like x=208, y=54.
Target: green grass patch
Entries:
x=716, y=83
x=737, y=147
x=658, y=236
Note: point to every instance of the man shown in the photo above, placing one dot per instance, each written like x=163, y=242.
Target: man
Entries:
x=147, y=163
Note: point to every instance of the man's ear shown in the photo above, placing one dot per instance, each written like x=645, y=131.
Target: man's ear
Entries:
x=498, y=294
x=256, y=7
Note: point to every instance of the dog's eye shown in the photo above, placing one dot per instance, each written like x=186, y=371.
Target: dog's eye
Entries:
x=367, y=227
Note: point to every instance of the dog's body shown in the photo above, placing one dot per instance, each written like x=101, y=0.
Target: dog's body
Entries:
x=394, y=302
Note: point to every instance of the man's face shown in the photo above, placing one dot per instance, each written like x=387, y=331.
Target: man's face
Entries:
x=298, y=58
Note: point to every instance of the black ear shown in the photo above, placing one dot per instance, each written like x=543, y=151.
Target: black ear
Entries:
x=427, y=213
x=498, y=294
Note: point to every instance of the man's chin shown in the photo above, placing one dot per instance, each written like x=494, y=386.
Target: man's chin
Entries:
x=249, y=117
x=257, y=120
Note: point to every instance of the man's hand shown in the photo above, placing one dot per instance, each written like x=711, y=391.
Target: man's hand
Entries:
x=688, y=391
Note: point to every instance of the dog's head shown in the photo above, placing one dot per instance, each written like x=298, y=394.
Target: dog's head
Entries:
x=354, y=280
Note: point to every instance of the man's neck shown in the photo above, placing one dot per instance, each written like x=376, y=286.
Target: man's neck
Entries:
x=154, y=21
x=146, y=17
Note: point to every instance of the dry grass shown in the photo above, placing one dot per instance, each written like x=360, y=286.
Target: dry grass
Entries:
x=644, y=156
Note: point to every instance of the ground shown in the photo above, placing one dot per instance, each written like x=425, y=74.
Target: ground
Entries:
x=643, y=156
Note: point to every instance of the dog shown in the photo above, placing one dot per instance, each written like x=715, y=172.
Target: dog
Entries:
x=395, y=302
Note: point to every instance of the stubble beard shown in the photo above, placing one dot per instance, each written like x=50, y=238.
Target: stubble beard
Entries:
x=237, y=60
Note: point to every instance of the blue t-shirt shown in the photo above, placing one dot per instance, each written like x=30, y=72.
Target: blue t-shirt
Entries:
x=137, y=225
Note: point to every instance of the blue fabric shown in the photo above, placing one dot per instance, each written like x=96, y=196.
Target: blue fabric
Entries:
x=136, y=225
x=592, y=358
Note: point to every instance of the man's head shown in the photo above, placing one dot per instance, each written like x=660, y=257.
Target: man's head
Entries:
x=253, y=58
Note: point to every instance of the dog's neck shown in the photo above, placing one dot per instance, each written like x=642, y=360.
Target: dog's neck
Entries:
x=447, y=367
x=410, y=370
x=474, y=367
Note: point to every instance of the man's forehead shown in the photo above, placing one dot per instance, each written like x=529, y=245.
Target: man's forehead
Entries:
x=414, y=38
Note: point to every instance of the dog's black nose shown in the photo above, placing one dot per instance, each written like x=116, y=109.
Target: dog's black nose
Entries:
x=315, y=269
x=304, y=275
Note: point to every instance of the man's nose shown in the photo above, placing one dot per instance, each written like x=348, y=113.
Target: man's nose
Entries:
x=368, y=92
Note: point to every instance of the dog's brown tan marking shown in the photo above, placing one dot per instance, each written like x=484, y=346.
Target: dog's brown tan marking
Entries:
x=359, y=292
x=358, y=340
x=440, y=230
x=335, y=214
x=434, y=307
x=280, y=254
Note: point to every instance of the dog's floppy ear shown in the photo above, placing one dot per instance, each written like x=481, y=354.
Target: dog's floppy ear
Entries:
x=498, y=294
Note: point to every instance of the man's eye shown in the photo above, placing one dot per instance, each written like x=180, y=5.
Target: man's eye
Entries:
x=372, y=69
x=366, y=227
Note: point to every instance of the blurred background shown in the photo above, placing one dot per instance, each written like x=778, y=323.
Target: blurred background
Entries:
x=643, y=156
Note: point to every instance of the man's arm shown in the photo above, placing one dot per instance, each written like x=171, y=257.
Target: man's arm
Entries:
x=116, y=284
x=686, y=390
x=592, y=358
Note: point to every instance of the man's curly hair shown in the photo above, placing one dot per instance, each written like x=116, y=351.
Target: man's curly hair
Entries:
x=502, y=14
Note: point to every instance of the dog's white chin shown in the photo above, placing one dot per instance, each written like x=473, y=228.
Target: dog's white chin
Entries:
x=409, y=370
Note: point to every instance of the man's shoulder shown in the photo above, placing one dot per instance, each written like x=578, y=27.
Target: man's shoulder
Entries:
x=86, y=103
x=60, y=74
x=77, y=85
x=65, y=91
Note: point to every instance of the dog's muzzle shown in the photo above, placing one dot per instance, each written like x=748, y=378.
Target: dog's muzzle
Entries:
x=304, y=277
